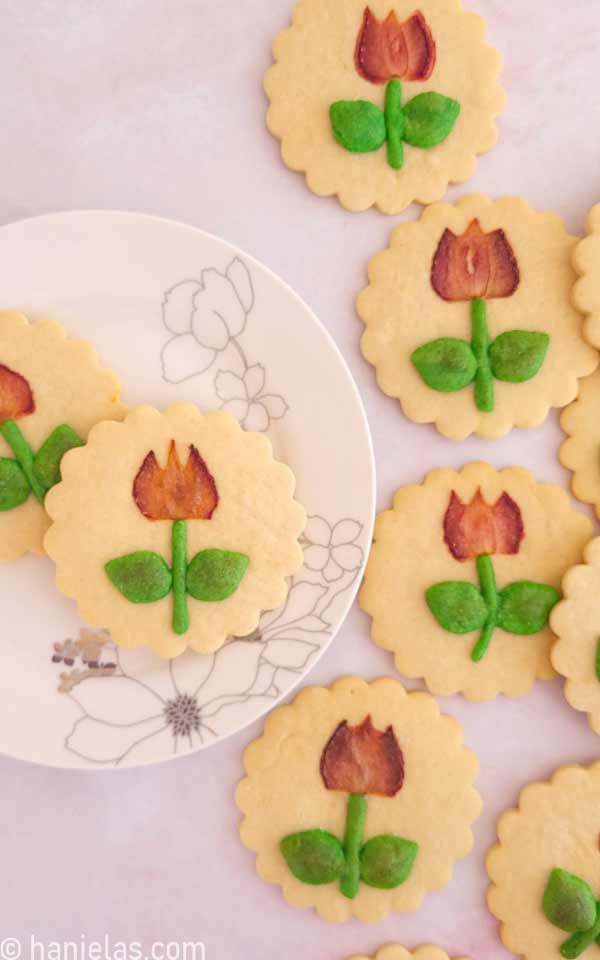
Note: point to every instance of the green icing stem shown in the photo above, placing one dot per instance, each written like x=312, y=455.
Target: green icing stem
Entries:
x=394, y=124
x=356, y=815
x=181, y=618
x=24, y=456
x=598, y=659
x=575, y=945
x=480, y=342
x=487, y=583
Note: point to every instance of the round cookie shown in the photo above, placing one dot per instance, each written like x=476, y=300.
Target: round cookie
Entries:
x=463, y=574
x=342, y=801
x=544, y=871
x=52, y=392
x=175, y=529
x=396, y=952
x=383, y=102
x=576, y=622
x=453, y=321
x=579, y=452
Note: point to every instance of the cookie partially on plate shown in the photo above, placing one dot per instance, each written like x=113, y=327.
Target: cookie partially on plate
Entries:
x=52, y=392
x=175, y=529
x=469, y=320
x=342, y=801
x=579, y=453
x=576, y=622
x=463, y=574
x=383, y=102
x=395, y=952
x=544, y=871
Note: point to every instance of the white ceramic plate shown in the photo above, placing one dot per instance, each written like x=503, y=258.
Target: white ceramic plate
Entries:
x=134, y=285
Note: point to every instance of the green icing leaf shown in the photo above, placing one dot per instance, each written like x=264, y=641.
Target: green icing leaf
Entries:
x=48, y=458
x=569, y=902
x=524, y=607
x=387, y=861
x=457, y=606
x=518, y=355
x=313, y=856
x=14, y=486
x=216, y=574
x=142, y=577
x=428, y=119
x=446, y=364
x=358, y=125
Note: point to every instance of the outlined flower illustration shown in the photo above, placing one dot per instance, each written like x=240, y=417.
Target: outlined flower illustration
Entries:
x=245, y=398
x=332, y=550
x=474, y=267
x=204, y=316
x=479, y=531
x=359, y=761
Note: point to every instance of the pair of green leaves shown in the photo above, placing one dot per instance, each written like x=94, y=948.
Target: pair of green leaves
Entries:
x=37, y=474
x=144, y=577
x=317, y=857
x=425, y=121
x=522, y=607
x=449, y=364
x=570, y=905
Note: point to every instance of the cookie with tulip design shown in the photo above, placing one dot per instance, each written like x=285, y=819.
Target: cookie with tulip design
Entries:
x=175, y=529
x=576, y=622
x=386, y=102
x=463, y=574
x=579, y=453
x=52, y=391
x=396, y=952
x=342, y=803
x=545, y=869
x=453, y=322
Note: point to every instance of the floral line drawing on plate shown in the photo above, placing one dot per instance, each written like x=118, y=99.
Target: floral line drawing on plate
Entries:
x=206, y=317
x=127, y=706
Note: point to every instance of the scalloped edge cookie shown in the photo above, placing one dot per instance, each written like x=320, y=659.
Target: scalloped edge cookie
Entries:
x=30, y=348
x=365, y=180
x=297, y=734
x=503, y=899
x=400, y=294
x=96, y=497
x=422, y=648
x=586, y=291
x=576, y=622
x=393, y=951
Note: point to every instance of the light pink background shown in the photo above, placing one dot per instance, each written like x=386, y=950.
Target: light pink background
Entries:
x=156, y=106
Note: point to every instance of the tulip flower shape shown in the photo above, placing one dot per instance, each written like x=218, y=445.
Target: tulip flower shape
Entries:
x=178, y=492
x=28, y=472
x=477, y=267
x=570, y=905
x=387, y=52
x=477, y=531
x=357, y=761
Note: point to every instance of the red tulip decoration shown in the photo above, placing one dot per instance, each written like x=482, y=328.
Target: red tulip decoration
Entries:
x=358, y=761
x=478, y=531
x=28, y=472
x=387, y=52
x=178, y=493
x=475, y=267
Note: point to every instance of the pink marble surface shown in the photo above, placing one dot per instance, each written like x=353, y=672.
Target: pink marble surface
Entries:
x=156, y=105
